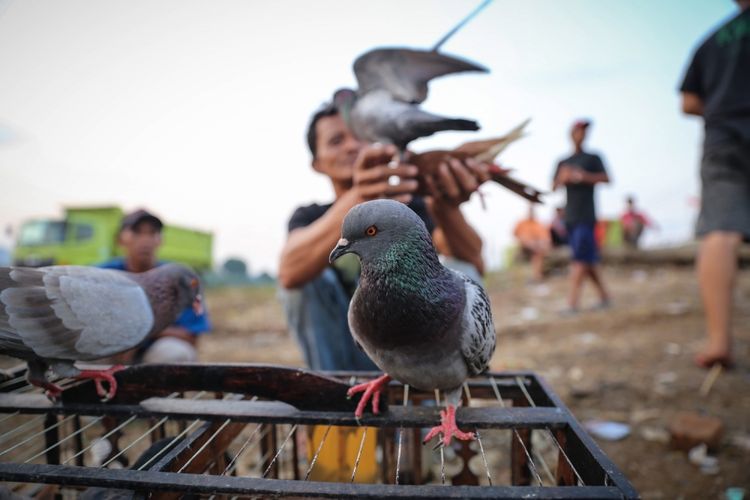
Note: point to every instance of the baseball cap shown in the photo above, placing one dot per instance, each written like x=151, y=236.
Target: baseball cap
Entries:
x=132, y=219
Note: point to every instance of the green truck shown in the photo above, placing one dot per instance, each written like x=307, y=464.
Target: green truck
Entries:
x=88, y=236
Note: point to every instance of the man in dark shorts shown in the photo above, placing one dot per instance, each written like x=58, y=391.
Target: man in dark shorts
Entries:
x=316, y=294
x=717, y=87
x=579, y=173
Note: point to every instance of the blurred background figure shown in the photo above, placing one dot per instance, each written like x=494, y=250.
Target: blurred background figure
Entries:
x=534, y=240
x=579, y=173
x=6, y=244
x=140, y=238
x=557, y=230
x=316, y=294
x=633, y=223
x=717, y=87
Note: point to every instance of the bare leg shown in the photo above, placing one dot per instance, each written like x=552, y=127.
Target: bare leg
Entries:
x=537, y=264
x=593, y=272
x=577, y=273
x=717, y=270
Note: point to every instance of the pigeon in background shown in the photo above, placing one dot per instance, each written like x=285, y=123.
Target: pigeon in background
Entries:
x=484, y=151
x=421, y=323
x=54, y=316
x=392, y=82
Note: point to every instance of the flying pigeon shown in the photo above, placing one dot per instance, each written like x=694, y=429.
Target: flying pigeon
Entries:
x=54, y=316
x=421, y=323
x=392, y=82
x=482, y=151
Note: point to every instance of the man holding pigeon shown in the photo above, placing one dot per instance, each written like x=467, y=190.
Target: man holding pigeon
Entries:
x=316, y=294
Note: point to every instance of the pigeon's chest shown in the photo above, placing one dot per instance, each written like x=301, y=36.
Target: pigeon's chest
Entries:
x=386, y=317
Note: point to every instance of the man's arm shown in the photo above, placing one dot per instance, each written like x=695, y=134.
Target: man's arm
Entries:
x=580, y=176
x=452, y=185
x=305, y=253
x=692, y=104
x=560, y=177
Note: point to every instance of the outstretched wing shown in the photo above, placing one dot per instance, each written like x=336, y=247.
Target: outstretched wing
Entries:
x=404, y=73
x=69, y=312
x=478, y=339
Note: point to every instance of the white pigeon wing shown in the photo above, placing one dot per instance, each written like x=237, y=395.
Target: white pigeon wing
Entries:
x=88, y=313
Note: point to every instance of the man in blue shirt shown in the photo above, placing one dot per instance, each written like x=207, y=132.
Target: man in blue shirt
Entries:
x=140, y=238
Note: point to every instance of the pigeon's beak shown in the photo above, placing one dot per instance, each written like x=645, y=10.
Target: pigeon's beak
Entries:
x=342, y=247
x=198, y=305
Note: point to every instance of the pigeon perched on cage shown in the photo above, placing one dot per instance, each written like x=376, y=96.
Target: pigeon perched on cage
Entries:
x=420, y=322
x=484, y=151
x=392, y=82
x=54, y=316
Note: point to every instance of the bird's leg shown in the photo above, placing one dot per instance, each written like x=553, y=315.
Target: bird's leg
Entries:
x=448, y=428
x=52, y=391
x=100, y=375
x=370, y=389
x=37, y=376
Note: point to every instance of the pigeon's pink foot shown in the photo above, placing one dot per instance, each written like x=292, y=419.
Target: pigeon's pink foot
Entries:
x=53, y=391
x=448, y=428
x=372, y=390
x=101, y=375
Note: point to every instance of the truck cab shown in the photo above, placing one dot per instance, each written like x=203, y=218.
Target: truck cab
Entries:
x=88, y=236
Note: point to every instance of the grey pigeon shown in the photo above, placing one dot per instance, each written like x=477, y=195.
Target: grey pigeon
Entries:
x=420, y=322
x=55, y=316
x=392, y=82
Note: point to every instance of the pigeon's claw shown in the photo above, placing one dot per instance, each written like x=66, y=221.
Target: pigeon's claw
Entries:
x=372, y=390
x=448, y=428
x=52, y=391
x=98, y=376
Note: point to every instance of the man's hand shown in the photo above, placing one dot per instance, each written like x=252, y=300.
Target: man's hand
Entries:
x=570, y=174
x=376, y=176
x=455, y=181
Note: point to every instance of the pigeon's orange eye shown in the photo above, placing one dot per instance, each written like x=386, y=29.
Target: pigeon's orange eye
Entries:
x=194, y=283
x=371, y=231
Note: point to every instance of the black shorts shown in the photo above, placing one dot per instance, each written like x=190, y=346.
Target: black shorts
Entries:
x=725, y=190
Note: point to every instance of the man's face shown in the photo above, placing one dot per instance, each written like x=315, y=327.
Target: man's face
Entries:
x=141, y=242
x=337, y=148
x=578, y=134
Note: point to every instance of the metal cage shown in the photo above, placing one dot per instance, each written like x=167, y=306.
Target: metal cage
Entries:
x=244, y=430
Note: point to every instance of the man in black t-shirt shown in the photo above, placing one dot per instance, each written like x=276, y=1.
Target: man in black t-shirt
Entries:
x=316, y=295
x=579, y=173
x=717, y=87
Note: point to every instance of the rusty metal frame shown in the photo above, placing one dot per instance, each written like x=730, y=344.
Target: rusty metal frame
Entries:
x=290, y=397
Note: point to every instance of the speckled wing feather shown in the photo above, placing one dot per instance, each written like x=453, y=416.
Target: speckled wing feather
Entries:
x=69, y=312
x=478, y=332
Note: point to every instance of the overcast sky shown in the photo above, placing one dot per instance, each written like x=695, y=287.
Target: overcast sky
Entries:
x=197, y=109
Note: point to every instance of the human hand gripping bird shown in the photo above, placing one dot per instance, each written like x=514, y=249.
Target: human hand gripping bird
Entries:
x=54, y=316
x=483, y=151
x=421, y=323
x=392, y=83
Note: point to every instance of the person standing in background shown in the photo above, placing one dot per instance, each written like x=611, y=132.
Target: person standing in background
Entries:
x=716, y=87
x=579, y=174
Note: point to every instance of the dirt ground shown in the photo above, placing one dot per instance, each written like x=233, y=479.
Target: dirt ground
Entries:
x=630, y=364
